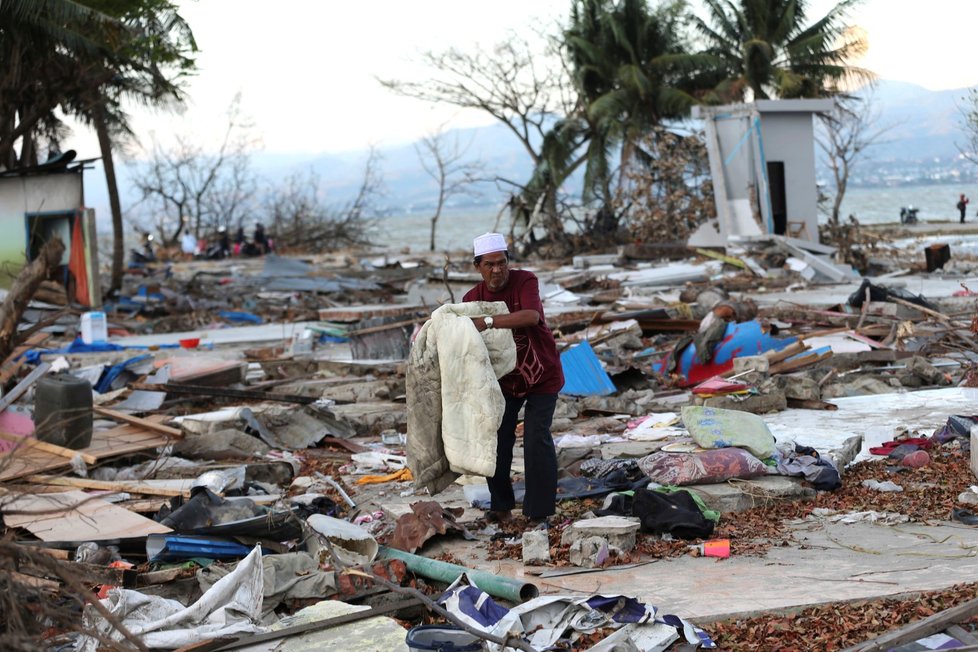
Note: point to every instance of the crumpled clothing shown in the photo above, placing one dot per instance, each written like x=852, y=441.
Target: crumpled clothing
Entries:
x=404, y=475
x=888, y=447
x=805, y=461
x=543, y=620
x=595, y=468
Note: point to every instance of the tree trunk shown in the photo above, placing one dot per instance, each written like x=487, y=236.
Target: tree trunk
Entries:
x=22, y=291
x=434, y=219
x=118, y=235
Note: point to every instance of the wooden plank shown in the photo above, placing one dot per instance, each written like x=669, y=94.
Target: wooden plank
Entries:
x=144, y=505
x=106, y=485
x=797, y=363
x=919, y=629
x=20, y=388
x=794, y=348
x=226, y=392
x=121, y=440
x=47, y=447
x=962, y=635
x=34, y=582
x=356, y=313
x=138, y=421
x=74, y=516
x=13, y=362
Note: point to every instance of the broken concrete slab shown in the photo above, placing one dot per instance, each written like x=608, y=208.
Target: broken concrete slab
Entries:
x=373, y=418
x=226, y=443
x=618, y=531
x=800, y=387
x=877, y=418
x=748, y=494
x=589, y=552
x=771, y=401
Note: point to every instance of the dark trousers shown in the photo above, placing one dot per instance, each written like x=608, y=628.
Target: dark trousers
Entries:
x=539, y=456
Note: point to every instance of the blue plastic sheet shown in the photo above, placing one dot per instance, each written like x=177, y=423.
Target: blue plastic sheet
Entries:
x=239, y=316
x=109, y=375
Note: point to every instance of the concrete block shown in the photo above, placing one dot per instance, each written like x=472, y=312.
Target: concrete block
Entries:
x=758, y=492
x=589, y=552
x=618, y=531
x=536, y=547
x=802, y=388
x=772, y=401
x=757, y=363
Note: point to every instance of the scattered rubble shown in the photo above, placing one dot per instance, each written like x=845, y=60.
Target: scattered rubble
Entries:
x=247, y=478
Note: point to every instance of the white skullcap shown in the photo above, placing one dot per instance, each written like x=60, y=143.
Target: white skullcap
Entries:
x=489, y=243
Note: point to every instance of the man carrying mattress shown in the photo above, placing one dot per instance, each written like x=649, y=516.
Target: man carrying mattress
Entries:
x=534, y=383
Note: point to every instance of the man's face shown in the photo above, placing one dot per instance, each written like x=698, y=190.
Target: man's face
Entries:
x=494, y=268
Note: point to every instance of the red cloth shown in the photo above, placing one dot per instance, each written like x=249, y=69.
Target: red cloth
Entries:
x=887, y=447
x=76, y=263
x=538, y=369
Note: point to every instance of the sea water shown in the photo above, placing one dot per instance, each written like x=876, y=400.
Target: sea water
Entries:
x=456, y=228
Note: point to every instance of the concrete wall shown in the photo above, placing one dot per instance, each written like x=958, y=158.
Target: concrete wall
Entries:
x=789, y=137
x=736, y=147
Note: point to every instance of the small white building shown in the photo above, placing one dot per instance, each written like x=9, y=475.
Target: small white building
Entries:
x=762, y=161
x=43, y=202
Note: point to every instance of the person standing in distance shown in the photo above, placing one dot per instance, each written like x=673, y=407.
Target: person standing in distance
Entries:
x=534, y=382
x=963, y=206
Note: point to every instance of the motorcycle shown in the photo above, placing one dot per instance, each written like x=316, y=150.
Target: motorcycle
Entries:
x=140, y=257
x=908, y=215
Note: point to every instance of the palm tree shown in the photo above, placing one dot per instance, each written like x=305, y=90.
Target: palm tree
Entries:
x=156, y=56
x=85, y=58
x=769, y=48
x=633, y=70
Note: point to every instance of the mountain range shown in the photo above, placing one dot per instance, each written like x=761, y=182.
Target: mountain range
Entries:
x=923, y=129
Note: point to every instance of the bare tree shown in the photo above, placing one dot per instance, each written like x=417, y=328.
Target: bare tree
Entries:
x=443, y=159
x=187, y=187
x=301, y=218
x=666, y=197
x=851, y=128
x=969, y=119
x=520, y=81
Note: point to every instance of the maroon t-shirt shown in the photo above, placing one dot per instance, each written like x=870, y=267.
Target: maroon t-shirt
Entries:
x=538, y=368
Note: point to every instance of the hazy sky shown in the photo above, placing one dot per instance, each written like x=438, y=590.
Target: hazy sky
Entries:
x=306, y=68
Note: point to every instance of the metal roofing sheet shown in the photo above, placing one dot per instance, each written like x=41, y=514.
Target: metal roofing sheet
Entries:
x=583, y=373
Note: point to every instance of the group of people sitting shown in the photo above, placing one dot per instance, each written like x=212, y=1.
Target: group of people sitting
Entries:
x=221, y=247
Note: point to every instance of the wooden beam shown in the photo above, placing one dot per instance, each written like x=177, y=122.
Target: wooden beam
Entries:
x=226, y=392
x=30, y=442
x=919, y=629
x=792, y=349
x=20, y=388
x=137, y=421
x=105, y=485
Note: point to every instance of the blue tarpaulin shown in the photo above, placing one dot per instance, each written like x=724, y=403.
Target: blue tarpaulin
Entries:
x=583, y=373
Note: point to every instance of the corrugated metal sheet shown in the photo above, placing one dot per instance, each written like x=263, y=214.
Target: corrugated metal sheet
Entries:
x=583, y=373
